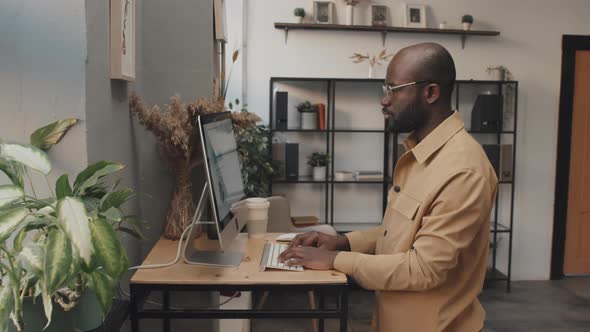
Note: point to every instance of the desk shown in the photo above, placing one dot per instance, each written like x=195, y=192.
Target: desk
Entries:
x=246, y=277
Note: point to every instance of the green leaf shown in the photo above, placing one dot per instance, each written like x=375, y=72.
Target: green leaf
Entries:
x=92, y=173
x=14, y=171
x=103, y=287
x=10, y=194
x=113, y=214
x=62, y=187
x=6, y=306
x=72, y=217
x=31, y=258
x=46, y=137
x=132, y=232
x=117, y=198
x=57, y=260
x=91, y=204
x=108, y=248
x=47, y=304
x=10, y=220
x=27, y=155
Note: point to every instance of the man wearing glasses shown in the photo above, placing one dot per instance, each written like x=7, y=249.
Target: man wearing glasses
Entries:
x=428, y=259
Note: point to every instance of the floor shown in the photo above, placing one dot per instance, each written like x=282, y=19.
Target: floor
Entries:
x=540, y=306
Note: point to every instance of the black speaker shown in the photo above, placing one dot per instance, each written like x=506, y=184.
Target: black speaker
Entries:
x=493, y=153
x=486, y=114
x=281, y=109
x=292, y=161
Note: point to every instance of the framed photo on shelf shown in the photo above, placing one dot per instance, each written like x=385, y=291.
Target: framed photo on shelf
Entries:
x=123, y=39
x=323, y=12
x=415, y=16
x=379, y=15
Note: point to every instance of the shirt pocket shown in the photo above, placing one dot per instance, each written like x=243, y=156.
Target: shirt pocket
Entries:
x=406, y=205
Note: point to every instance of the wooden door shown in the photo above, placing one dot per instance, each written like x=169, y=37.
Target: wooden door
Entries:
x=577, y=243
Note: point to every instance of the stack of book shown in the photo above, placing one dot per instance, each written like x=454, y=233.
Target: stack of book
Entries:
x=368, y=176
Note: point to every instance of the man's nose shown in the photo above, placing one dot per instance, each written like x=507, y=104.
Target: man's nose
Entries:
x=385, y=101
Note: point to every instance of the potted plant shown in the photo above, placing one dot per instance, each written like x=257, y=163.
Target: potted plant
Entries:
x=299, y=14
x=308, y=113
x=467, y=21
x=372, y=60
x=318, y=161
x=350, y=10
x=65, y=245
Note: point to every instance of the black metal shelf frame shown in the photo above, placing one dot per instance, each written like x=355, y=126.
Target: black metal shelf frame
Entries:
x=391, y=150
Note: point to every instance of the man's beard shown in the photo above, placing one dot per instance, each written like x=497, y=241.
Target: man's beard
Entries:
x=408, y=119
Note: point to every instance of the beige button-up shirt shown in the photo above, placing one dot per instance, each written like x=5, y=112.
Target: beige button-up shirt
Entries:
x=428, y=259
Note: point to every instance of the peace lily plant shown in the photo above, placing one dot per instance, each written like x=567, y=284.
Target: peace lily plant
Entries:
x=62, y=244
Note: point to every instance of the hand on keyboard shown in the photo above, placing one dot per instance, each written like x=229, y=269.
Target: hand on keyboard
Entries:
x=310, y=257
x=270, y=256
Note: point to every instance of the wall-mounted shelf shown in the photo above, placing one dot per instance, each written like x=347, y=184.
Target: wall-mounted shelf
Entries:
x=383, y=30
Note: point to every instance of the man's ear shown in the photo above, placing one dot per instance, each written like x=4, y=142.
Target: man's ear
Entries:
x=432, y=93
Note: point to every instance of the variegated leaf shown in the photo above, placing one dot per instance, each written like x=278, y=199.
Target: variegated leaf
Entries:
x=10, y=220
x=27, y=155
x=46, y=137
x=57, y=260
x=31, y=258
x=103, y=287
x=108, y=248
x=6, y=306
x=47, y=305
x=71, y=215
x=14, y=171
x=10, y=194
x=89, y=177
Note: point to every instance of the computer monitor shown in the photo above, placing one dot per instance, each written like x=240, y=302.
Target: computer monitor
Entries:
x=224, y=187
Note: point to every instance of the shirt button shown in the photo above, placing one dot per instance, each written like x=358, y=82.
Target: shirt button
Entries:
x=396, y=189
x=385, y=233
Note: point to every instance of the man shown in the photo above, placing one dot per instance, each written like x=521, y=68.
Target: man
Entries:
x=428, y=259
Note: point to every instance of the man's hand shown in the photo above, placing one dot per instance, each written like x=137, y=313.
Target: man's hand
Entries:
x=311, y=258
x=321, y=240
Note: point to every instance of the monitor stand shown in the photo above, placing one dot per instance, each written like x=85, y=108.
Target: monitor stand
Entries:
x=203, y=257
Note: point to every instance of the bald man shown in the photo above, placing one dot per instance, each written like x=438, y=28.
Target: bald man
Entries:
x=428, y=259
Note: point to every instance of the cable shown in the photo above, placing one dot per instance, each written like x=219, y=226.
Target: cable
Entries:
x=157, y=266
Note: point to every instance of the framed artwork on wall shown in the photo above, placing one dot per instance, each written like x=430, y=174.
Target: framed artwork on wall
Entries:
x=323, y=12
x=379, y=15
x=123, y=40
x=415, y=16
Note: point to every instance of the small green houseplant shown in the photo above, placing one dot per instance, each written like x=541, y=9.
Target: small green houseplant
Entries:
x=467, y=21
x=299, y=14
x=308, y=112
x=63, y=244
x=319, y=161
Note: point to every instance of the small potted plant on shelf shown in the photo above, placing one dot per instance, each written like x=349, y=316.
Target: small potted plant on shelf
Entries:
x=467, y=21
x=308, y=113
x=299, y=14
x=318, y=161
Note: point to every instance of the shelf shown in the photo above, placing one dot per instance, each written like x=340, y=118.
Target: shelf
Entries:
x=500, y=229
x=490, y=132
x=382, y=30
x=495, y=275
x=305, y=179
x=373, y=80
x=329, y=130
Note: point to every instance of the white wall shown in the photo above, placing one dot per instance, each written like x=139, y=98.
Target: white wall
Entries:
x=529, y=45
x=42, y=79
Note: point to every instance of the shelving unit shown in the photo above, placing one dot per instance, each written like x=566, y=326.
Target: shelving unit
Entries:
x=382, y=30
x=502, y=221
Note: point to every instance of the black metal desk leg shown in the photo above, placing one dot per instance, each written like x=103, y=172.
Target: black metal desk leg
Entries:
x=133, y=309
x=344, y=309
x=166, y=307
x=322, y=307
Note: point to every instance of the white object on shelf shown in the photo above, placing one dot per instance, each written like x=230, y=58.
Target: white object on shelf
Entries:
x=308, y=120
x=349, y=15
x=343, y=176
x=466, y=26
x=319, y=173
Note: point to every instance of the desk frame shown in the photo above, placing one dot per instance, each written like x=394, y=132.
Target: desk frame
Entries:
x=140, y=291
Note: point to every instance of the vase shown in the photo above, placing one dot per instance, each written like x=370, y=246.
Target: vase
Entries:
x=34, y=317
x=498, y=74
x=299, y=19
x=466, y=26
x=308, y=120
x=371, y=71
x=319, y=173
x=181, y=208
x=349, y=15
x=87, y=314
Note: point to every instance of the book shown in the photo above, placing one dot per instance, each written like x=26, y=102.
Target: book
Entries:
x=301, y=221
x=368, y=175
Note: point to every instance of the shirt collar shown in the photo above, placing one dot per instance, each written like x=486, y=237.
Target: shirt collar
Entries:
x=436, y=139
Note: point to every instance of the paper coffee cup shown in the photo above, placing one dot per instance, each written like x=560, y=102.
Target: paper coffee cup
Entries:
x=257, y=216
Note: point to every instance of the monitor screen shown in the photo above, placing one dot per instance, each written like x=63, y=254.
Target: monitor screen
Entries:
x=223, y=164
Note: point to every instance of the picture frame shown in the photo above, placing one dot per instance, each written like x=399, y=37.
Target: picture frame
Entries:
x=323, y=12
x=379, y=15
x=415, y=16
x=123, y=46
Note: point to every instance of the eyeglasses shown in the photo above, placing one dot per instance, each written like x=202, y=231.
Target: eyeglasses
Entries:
x=389, y=89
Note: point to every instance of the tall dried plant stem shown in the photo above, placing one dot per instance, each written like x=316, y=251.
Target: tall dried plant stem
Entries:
x=182, y=208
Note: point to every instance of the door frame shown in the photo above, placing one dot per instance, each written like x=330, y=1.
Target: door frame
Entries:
x=570, y=44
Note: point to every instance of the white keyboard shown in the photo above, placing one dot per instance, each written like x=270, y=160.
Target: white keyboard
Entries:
x=270, y=256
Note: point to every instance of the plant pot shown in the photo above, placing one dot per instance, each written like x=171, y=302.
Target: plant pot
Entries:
x=349, y=15
x=87, y=314
x=319, y=173
x=299, y=19
x=497, y=75
x=466, y=26
x=34, y=317
x=308, y=120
